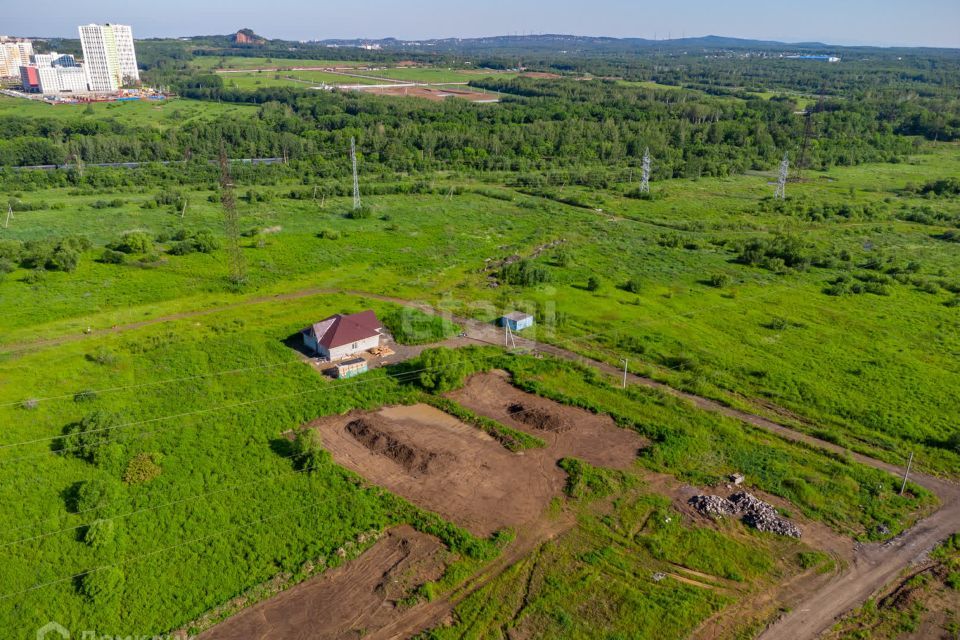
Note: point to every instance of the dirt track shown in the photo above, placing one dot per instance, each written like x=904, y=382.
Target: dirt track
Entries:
x=345, y=602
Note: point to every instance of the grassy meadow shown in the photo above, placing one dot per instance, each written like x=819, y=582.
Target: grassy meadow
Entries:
x=191, y=494
x=161, y=114
x=869, y=370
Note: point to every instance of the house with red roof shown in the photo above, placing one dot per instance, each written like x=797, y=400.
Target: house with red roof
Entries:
x=341, y=336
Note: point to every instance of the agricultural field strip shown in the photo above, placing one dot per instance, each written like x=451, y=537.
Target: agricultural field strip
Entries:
x=509, y=414
x=124, y=561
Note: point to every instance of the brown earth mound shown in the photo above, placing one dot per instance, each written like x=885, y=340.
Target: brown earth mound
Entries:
x=414, y=459
x=537, y=417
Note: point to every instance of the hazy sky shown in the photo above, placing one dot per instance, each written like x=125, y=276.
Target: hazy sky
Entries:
x=879, y=22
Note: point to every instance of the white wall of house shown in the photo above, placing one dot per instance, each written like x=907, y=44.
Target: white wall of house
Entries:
x=347, y=350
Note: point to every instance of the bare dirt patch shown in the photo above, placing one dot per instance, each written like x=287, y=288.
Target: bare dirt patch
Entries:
x=537, y=417
x=456, y=470
x=542, y=75
x=432, y=93
x=483, y=487
x=569, y=431
x=344, y=603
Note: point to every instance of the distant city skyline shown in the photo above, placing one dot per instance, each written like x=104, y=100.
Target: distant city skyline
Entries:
x=933, y=23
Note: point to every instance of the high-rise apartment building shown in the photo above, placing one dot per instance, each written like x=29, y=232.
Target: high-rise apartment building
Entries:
x=109, y=56
x=14, y=53
x=53, y=74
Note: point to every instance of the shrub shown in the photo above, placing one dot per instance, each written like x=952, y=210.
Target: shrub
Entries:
x=593, y=283
x=328, y=234
x=778, y=324
x=524, y=273
x=443, y=370
x=103, y=356
x=91, y=439
x=362, y=213
x=95, y=494
x=134, y=242
x=110, y=256
x=308, y=452
x=776, y=254
x=719, y=280
x=101, y=534
x=142, y=468
x=103, y=587
x=85, y=396
x=205, y=242
x=11, y=251
x=562, y=257
x=632, y=286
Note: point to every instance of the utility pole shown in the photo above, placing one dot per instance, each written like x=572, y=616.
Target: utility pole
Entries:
x=781, y=192
x=230, y=222
x=906, y=473
x=9, y=216
x=508, y=336
x=184, y=210
x=645, y=176
x=356, y=179
x=625, y=373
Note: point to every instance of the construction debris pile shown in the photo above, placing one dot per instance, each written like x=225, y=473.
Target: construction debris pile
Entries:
x=753, y=511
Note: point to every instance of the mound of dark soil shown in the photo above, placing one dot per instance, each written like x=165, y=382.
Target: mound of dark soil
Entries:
x=537, y=418
x=415, y=460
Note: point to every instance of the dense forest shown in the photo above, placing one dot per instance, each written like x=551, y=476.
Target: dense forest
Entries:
x=539, y=124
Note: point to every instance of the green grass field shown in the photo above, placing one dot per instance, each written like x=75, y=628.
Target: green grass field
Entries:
x=237, y=62
x=438, y=75
x=776, y=337
x=868, y=370
x=140, y=112
x=302, y=79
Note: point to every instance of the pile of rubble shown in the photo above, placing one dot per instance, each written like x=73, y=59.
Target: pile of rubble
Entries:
x=714, y=506
x=753, y=511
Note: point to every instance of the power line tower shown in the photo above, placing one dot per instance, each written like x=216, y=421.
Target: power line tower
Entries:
x=356, y=179
x=231, y=226
x=645, y=168
x=808, y=134
x=781, y=192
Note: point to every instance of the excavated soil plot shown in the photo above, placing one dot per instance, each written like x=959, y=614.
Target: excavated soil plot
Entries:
x=461, y=473
x=568, y=431
x=379, y=440
x=538, y=418
x=432, y=93
x=344, y=603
